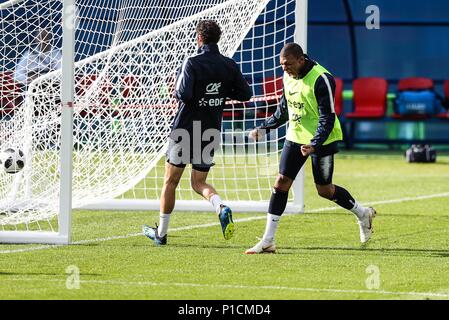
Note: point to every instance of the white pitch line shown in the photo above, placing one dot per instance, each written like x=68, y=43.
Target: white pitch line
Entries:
x=230, y=286
x=207, y=225
x=431, y=196
x=386, y=175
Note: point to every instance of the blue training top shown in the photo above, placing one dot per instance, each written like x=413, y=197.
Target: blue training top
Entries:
x=204, y=82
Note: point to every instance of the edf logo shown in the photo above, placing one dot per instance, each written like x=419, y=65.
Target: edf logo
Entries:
x=218, y=102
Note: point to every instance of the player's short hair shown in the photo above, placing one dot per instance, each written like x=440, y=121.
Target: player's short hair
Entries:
x=209, y=30
x=292, y=49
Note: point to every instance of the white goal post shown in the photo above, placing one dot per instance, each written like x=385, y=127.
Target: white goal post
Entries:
x=94, y=125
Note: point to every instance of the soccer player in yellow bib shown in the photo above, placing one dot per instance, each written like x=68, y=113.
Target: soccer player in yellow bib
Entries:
x=314, y=130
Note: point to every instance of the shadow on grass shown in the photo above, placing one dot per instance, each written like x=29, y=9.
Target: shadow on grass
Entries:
x=380, y=251
x=339, y=214
x=300, y=250
x=201, y=246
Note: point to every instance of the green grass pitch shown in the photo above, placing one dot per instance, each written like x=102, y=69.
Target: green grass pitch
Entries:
x=319, y=254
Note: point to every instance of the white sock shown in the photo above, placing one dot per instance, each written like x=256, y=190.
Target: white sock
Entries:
x=358, y=210
x=164, y=220
x=216, y=202
x=271, y=227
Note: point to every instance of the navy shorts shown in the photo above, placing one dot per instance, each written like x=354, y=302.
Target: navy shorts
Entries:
x=180, y=155
x=292, y=161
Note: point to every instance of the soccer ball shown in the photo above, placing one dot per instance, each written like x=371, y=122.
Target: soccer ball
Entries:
x=12, y=160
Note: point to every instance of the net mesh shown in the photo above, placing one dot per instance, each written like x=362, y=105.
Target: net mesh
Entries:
x=244, y=170
x=127, y=56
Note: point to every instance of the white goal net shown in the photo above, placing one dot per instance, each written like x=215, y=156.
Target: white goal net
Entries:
x=127, y=53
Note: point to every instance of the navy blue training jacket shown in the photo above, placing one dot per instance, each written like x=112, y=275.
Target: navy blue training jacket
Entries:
x=204, y=82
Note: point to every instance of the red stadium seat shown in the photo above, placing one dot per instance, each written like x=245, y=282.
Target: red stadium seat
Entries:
x=84, y=83
x=272, y=90
x=130, y=84
x=370, y=98
x=444, y=115
x=338, y=96
x=415, y=84
x=272, y=86
x=10, y=94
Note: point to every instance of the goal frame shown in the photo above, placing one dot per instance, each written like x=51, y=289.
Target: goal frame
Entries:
x=63, y=235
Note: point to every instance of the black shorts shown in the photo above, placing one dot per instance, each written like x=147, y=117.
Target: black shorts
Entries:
x=179, y=155
x=292, y=161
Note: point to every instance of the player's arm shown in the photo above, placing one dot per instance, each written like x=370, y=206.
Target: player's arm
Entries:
x=324, y=93
x=241, y=90
x=185, y=82
x=275, y=121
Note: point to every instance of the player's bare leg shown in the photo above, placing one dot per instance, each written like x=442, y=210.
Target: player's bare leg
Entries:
x=208, y=192
x=172, y=177
x=200, y=186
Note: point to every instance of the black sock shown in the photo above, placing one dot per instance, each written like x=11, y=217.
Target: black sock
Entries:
x=343, y=198
x=278, y=202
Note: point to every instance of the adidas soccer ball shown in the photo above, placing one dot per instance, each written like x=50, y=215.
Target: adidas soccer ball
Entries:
x=12, y=160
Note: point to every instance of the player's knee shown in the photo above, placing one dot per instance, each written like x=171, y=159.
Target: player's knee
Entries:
x=283, y=183
x=197, y=185
x=326, y=191
x=171, y=182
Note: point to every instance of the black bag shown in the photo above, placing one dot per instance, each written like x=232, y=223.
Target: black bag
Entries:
x=421, y=153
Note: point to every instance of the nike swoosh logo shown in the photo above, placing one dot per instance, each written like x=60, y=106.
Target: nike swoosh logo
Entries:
x=292, y=93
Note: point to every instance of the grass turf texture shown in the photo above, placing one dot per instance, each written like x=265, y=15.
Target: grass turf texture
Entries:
x=319, y=254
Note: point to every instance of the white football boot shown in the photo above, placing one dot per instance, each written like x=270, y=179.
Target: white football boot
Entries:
x=366, y=225
x=262, y=247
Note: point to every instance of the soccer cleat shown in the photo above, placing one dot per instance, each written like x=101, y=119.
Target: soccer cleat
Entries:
x=152, y=233
x=227, y=225
x=262, y=247
x=366, y=225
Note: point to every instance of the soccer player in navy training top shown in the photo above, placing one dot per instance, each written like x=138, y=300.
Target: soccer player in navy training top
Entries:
x=204, y=82
x=307, y=104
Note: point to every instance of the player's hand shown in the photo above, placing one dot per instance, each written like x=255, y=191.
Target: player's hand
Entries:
x=256, y=134
x=307, y=150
